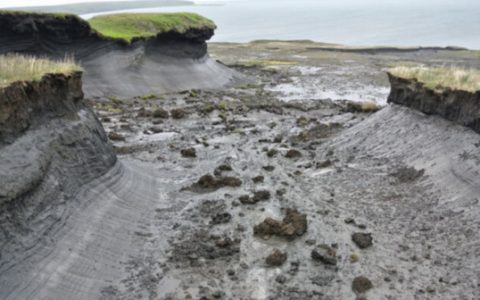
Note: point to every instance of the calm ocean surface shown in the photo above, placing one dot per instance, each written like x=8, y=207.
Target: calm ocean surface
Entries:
x=351, y=22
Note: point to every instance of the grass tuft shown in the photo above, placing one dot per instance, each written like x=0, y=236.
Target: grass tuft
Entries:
x=15, y=67
x=439, y=78
x=128, y=26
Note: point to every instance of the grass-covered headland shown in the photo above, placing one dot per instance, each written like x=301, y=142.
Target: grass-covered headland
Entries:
x=128, y=26
x=439, y=78
x=14, y=67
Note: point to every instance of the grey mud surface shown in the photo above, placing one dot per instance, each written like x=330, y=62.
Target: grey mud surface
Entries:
x=149, y=229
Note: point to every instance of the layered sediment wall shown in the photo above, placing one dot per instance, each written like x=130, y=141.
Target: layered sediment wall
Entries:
x=51, y=144
x=462, y=107
x=170, y=61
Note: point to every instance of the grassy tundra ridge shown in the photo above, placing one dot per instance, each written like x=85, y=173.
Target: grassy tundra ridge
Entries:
x=14, y=67
x=128, y=26
x=439, y=78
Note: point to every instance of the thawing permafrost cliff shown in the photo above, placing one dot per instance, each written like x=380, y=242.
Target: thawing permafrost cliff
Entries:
x=50, y=145
x=462, y=107
x=171, y=61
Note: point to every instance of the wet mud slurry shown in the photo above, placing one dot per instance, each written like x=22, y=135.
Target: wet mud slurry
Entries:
x=298, y=199
x=241, y=193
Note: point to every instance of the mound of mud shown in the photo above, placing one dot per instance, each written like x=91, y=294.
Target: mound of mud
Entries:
x=50, y=145
x=462, y=107
x=171, y=61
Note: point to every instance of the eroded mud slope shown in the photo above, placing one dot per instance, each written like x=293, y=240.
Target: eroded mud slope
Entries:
x=169, y=62
x=51, y=144
x=210, y=183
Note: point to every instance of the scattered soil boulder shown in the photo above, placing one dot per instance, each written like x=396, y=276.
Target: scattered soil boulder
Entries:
x=276, y=258
x=262, y=195
x=113, y=136
x=156, y=129
x=272, y=152
x=362, y=240
x=210, y=183
x=143, y=113
x=294, y=224
x=160, y=113
x=324, y=164
x=258, y=179
x=293, y=153
x=221, y=218
x=178, y=113
x=245, y=199
x=299, y=221
x=407, y=174
x=325, y=254
x=268, y=168
x=361, y=284
x=222, y=168
x=189, y=152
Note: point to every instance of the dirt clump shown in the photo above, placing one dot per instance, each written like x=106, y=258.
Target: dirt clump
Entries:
x=325, y=254
x=188, y=152
x=294, y=224
x=114, y=136
x=407, y=174
x=361, y=284
x=276, y=258
x=262, y=195
x=258, y=179
x=160, y=113
x=362, y=240
x=272, y=152
x=178, y=113
x=222, y=168
x=210, y=183
x=293, y=153
x=221, y=218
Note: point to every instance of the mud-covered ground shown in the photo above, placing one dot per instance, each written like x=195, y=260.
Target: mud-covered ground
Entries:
x=272, y=190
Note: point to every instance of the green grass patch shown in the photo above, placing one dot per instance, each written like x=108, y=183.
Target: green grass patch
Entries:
x=128, y=26
x=14, y=67
x=439, y=78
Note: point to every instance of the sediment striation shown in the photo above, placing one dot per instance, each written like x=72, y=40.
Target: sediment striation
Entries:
x=51, y=144
x=462, y=107
x=169, y=61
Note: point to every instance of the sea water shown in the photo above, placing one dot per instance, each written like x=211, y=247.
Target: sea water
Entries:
x=350, y=22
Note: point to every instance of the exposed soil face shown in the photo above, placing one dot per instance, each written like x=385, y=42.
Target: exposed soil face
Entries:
x=462, y=107
x=171, y=61
x=378, y=205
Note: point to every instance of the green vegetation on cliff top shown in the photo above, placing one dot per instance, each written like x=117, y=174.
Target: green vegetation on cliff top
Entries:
x=143, y=25
x=14, y=67
x=438, y=78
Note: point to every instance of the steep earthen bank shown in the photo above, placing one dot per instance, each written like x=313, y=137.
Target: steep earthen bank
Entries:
x=462, y=107
x=171, y=61
x=51, y=144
